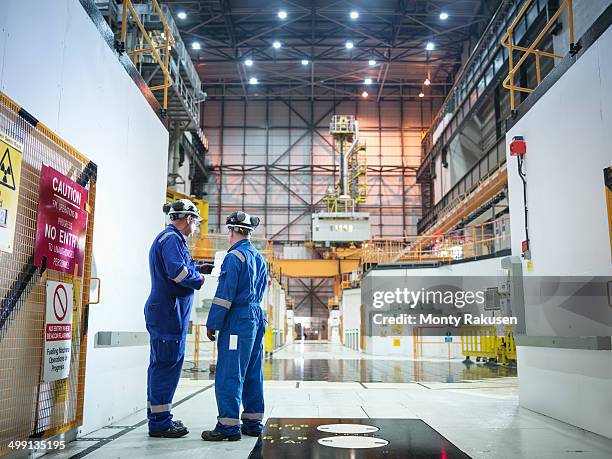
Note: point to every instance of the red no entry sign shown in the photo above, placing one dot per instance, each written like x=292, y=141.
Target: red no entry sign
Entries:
x=58, y=330
x=60, y=302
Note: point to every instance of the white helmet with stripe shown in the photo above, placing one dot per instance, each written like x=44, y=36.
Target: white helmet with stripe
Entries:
x=180, y=209
x=242, y=220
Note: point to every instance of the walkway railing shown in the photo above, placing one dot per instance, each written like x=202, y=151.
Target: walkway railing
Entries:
x=162, y=41
x=508, y=42
x=469, y=242
x=484, y=342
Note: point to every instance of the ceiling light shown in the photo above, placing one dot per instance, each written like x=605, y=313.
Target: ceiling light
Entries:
x=364, y=94
x=371, y=62
x=430, y=46
x=426, y=82
x=443, y=15
x=305, y=61
x=248, y=62
x=253, y=80
x=181, y=15
x=282, y=14
x=195, y=45
x=421, y=94
x=276, y=44
x=354, y=14
x=368, y=81
x=349, y=45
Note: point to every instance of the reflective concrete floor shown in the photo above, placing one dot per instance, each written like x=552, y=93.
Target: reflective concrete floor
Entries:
x=320, y=361
x=479, y=415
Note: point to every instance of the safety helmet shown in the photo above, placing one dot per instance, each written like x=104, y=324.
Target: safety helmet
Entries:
x=181, y=208
x=242, y=220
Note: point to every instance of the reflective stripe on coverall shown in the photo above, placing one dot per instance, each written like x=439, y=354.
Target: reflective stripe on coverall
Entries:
x=236, y=312
x=174, y=277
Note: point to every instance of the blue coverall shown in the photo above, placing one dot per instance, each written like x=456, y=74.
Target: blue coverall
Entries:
x=174, y=277
x=236, y=312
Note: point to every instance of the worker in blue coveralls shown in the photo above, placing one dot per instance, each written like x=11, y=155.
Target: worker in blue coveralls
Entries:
x=174, y=277
x=237, y=315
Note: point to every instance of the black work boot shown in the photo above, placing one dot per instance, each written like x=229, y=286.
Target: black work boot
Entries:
x=216, y=435
x=250, y=432
x=175, y=431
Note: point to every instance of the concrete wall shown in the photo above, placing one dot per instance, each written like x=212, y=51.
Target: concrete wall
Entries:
x=568, y=139
x=55, y=64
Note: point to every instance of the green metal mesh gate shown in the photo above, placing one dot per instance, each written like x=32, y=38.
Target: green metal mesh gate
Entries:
x=30, y=408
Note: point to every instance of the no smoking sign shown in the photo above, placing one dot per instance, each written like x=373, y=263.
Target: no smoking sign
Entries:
x=58, y=331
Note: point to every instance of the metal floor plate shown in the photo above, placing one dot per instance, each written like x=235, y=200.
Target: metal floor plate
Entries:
x=297, y=438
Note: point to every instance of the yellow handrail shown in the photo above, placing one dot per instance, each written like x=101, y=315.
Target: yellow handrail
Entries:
x=152, y=48
x=508, y=42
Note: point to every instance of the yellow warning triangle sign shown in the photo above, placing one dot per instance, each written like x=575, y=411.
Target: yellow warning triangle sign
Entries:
x=6, y=170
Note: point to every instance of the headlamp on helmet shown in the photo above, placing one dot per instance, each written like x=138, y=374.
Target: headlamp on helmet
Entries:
x=180, y=209
x=242, y=220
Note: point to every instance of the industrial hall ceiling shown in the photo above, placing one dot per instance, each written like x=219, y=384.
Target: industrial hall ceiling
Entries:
x=276, y=71
x=327, y=49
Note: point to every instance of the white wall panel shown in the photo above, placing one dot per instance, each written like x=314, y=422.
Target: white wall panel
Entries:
x=87, y=98
x=568, y=139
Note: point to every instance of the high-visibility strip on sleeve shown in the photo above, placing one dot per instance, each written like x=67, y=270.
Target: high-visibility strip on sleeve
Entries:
x=239, y=254
x=182, y=275
x=229, y=421
x=221, y=302
x=160, y=408
x=254, y=416
x=165, y=236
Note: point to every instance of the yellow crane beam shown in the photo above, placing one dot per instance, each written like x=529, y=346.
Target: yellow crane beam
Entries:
x=315, y=268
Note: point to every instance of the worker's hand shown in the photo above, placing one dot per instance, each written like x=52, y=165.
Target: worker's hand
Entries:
x=210, y=333
x=206, y=268
x=201, y=279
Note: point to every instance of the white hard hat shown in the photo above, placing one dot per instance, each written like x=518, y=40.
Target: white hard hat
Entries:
x=180, y=208
x=242, y=220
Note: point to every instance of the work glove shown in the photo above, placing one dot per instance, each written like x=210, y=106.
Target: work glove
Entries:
x=206, y=268
x=210, y=333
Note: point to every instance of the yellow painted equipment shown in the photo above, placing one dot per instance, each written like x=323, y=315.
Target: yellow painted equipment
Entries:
x=352, y=188
x=203, y=246
x=315, y=268
x=269, y=336
x=198, y=333
x=342, y=124
x=484, y=342
x=201, y=204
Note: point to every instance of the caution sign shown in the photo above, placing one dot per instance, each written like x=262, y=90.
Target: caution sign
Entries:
x=10, y=175
x=58, y=331
x=62, y=222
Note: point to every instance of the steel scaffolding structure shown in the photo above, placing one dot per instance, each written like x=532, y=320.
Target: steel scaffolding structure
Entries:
x=275, y=158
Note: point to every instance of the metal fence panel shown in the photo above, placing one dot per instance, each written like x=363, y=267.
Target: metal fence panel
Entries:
x=30, y=408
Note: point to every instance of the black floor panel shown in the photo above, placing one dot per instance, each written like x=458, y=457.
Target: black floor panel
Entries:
x=297, y=438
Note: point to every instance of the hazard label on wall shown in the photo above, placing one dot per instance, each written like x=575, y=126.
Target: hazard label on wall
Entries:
x=62, y=222
x=10, y=176
x=58, y=331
